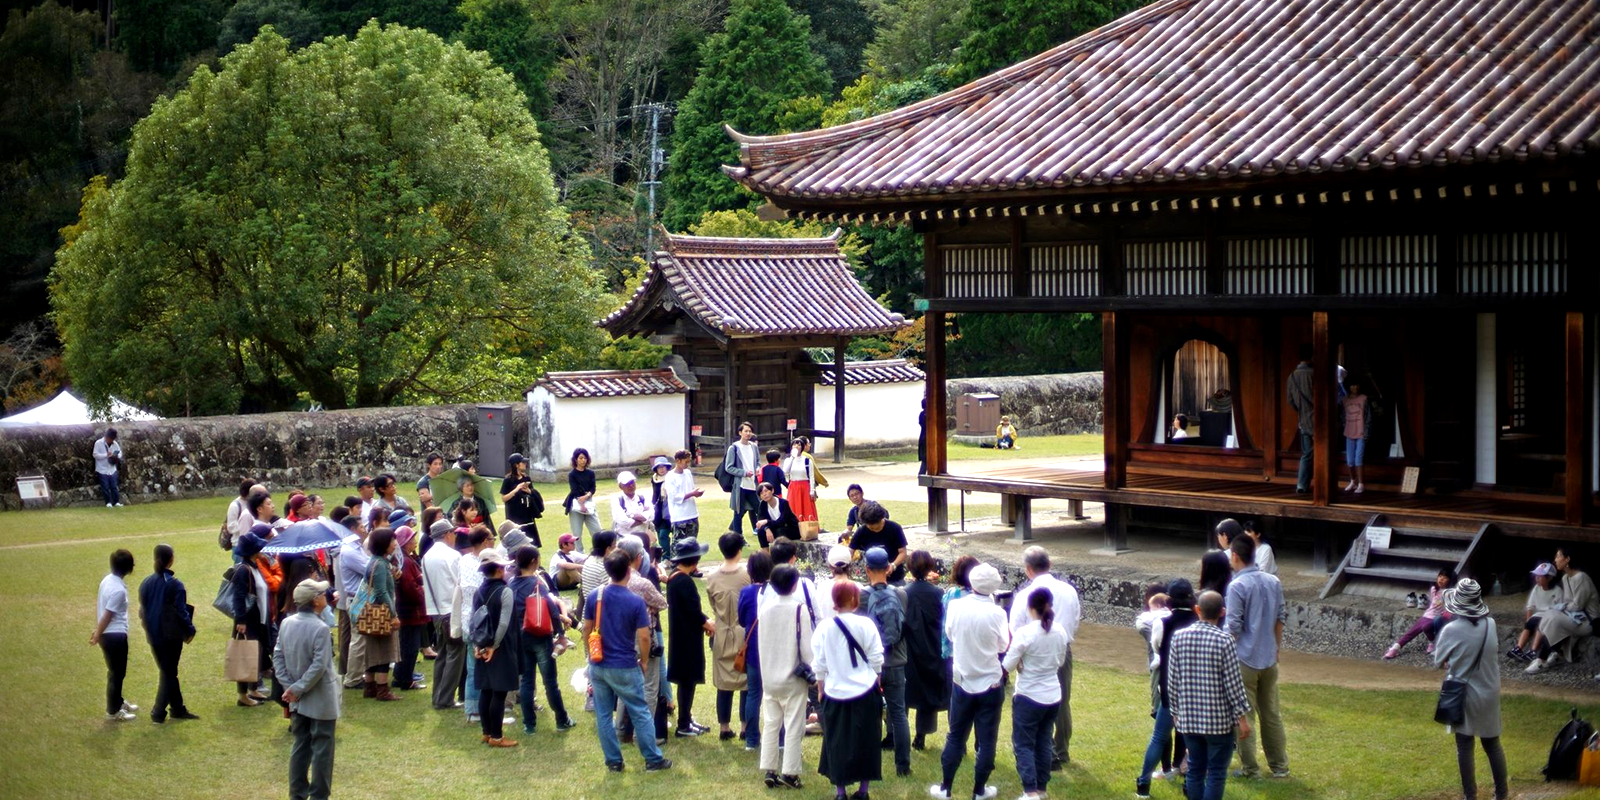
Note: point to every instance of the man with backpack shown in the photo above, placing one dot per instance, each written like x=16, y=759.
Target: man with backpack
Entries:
x=886, y=605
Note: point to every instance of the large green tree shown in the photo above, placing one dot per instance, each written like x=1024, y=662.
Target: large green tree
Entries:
x=160, y=34
x=1004, y=32
x=290, y=18
x=750, y=73
x=840, y=31
x=518, y=36
x=359, y=222
x=913, y=35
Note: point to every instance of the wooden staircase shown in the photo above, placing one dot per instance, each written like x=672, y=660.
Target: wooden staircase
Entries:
x=1410, y=562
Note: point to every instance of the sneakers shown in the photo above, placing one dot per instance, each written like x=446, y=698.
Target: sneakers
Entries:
x=108, y=505
x=789, y=781
x=1141, y=789
x=122, y=715
x=686, y=733
x=1279, y=774
x=614, y=767
x=988, y=793
x=663, y=764
x=1541, y=664
x=1411, y=600
x=1244, y=773
x=1360, y=487
x=938, y=792
x=184, y=714
x=1392, y=653
x=566, y=726
x=1431, y=645
x=1350, y=487
x=129, y=707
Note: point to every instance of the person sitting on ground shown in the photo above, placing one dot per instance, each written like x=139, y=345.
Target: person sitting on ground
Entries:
x=1180, y=427
x=1433, y=617
x=1542, y=599
x=1005, y=435
x=774, y=518
x=568, y=562
x=1570, y=619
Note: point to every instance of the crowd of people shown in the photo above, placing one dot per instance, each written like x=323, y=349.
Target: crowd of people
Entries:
x=788, y=655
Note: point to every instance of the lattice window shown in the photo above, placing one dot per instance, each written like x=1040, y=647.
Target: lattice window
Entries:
x=976, y=271
x=1513, y=263
x=1165, y=268
x=1388, y=265
x=1519, y=390
x=1278, y=266
x=1065, y=270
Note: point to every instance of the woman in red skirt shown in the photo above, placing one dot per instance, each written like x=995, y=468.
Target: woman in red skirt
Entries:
x=804, y=478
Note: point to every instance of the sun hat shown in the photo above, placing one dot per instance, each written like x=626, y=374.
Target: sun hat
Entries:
x=839, y=556
x=660, y=461
x=403, y=535
x=625, y=477
x=1466, y=600
x=440, y=527
x=400, y=516
x=307, y=590
x=984, y=579
x=249, y=545
x=686, y=549
x=513, y=539
x=506, y=527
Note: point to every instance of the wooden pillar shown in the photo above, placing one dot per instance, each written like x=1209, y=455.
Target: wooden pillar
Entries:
x=1272, y=386
x=1116, y=530
x=730, y=395
x=1075, y=510
x=838, y=401
x=1022, y=518
x=1575, y=406
x=938, y=500
x=1114, y=399
x=1322, y=389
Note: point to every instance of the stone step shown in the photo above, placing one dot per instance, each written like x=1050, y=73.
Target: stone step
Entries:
x=1397, y=573
x=1432, y=533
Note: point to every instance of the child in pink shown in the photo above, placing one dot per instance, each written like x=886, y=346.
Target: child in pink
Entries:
x=1433, y=617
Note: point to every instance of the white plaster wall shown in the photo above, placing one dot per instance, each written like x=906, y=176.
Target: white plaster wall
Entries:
x=617, y=431
x=875, y=414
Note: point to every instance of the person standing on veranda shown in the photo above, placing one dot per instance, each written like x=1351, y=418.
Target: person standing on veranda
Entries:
x=1209, y=707
x=1256, y=614
x=107, y=458
x=1302, y=398
x=303, y=662
x=1068, y=612
x=111, y=634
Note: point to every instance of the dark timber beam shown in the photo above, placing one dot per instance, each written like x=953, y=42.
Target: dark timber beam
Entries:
x=1322, y=414
x=1114, y=408
x=838, y=401
x=934, y=398
x=1576, y=457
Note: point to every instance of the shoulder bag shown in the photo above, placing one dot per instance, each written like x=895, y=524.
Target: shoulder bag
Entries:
x=739, y=659
x=374, y=619
x=802, y=670
x=597, y=650
x=1452, y=707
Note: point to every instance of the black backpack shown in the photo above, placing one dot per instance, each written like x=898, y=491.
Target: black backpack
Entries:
x=1567, y=750
x=727, y=480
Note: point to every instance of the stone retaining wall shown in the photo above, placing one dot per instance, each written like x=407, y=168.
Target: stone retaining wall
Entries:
x=209, y=455
x=1039, y=405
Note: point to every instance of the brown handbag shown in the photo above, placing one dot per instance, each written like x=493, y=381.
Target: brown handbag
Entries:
x=375, y=619
x=739, y=658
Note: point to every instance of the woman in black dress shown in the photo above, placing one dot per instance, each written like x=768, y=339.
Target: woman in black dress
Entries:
x=687, y=626
x=496, y=670
x=579, y=505
x=927, y=686
x=522, y=502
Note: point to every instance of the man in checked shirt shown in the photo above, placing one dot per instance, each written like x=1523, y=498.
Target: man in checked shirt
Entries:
x=1209, y=706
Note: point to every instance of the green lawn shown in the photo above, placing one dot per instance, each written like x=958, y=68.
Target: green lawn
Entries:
x=1076, y=444
x=1343, y=744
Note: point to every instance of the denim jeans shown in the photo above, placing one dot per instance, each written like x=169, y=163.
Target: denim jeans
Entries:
x=108, y=488
x=752, y=702
x=538, y=654
x=1209, y=755
x=1308, y=451
x=1159, y=740
x=748, y=500
x=471, y=687
x=968, y=711
x=894, y=700
x=1032, y=729
x=625, y=685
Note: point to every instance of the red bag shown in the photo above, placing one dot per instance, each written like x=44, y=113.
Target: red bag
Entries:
x=536, y=618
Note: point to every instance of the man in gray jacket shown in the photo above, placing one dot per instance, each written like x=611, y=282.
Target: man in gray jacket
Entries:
x=1303, y=400
x=303, y=662
x=886, y=605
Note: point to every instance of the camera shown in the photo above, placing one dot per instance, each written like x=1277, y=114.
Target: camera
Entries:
x=657, y=650
x=803, y=671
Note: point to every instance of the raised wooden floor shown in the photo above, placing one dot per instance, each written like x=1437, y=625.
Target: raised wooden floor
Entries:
x=1520, y=516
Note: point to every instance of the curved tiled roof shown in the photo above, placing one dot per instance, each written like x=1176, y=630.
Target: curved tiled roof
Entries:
x=1198, y=90
x=893, y=370
x=758, y=287
x=611, y=383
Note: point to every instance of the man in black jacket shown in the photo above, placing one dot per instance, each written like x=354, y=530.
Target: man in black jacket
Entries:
x=774, y=518
x=168, y=624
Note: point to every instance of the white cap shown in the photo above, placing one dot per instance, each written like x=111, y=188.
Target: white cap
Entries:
x=839, y=556
x=984, y=579
x=625, y=477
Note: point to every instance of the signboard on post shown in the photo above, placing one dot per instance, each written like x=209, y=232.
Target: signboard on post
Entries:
x=793, y=423
x=694, y=430
x=34, y=491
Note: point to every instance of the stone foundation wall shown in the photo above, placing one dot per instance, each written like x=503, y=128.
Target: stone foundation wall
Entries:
x=1039, y=405
x=209, y=455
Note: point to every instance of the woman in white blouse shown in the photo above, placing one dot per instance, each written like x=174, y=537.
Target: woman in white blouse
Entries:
x=847, y=660
x=1037, y=652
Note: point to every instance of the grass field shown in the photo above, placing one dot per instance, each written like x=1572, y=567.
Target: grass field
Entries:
x=1343, y=744
x=1077, y=444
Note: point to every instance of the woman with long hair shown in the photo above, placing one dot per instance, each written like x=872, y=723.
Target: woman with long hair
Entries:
x=582, y=511
x=1037, y=651
x=800, y=469
x=927, y=684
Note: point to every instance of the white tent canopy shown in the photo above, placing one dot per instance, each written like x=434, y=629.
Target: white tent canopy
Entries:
x=67, y=409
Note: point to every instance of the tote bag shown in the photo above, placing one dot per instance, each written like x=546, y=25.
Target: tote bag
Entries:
x=242, y=662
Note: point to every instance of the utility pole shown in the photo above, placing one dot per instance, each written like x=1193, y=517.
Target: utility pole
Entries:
x=657, y=156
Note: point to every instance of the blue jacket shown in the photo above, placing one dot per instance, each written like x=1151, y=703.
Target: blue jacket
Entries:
x=164, y=608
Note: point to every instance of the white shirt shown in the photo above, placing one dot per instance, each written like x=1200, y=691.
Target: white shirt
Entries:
x=1034, y=657
x=978, y=634
x=1541, y=600
x=624, y=507
x=366, y=512
x=1265, y=560
x=114, y=598
x=821, y=602
x=245, y=521
x=774, y=509
x=679, y=508
x=235, y=508
x=746, y=453
x=103, y=454
x=831, y=654
x=1063, y=600
x=439, y=576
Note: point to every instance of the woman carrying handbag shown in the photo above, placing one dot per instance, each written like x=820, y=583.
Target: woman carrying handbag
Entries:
x=377, y=619
x=1469, y=701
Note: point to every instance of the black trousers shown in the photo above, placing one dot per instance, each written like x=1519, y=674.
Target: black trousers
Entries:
x=492, y=712
x=725, y=706
x=1497, y=766
x=114, y=646
x=169, y=695
x=410, y=646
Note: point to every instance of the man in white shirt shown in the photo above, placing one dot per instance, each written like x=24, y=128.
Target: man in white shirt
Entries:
x=1064, y=600
x=367, y=489
x=107, y=455
x=350, y=570
x=631, y=511
x=978, y=636
x=682, y=510
x=111, y=634
x=440, y=567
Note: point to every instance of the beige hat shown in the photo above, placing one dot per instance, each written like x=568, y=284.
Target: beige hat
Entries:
x=984, y=579
x=307, y=590
x=625, y=477
x=839, y=556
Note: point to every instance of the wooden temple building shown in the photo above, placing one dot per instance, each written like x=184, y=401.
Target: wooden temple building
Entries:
x=1411, y=190
x=741, y=315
